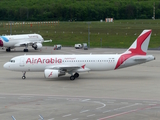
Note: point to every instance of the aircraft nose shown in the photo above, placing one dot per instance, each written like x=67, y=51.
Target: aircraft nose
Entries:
x=1, y=43
x=6, y=66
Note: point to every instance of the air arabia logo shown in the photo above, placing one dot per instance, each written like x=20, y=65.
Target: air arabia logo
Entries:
x=43, y=61
x=50, y=75
x=83, y=66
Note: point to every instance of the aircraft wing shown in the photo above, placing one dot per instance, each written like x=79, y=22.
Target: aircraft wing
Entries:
x=69, y=68
x=28, y=43
x=66, y=68
x=24, y=44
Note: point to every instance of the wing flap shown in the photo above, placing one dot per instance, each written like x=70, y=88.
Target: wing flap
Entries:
x=69, y=68
x=64, y=67
x=23, y=44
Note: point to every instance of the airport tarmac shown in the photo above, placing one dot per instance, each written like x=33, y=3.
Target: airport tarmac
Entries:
x=131, y=93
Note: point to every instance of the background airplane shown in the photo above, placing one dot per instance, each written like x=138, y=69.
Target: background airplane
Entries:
x=54, y=66
x=11, y=41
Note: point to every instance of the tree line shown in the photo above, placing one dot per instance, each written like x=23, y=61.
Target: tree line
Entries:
x=77, y=10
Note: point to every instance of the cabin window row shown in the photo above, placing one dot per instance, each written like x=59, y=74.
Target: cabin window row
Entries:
x=88, y=60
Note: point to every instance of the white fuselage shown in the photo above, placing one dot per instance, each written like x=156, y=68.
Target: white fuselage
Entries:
x=101, y=62
x=19, y=40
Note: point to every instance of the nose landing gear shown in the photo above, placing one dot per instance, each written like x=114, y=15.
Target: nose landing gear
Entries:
x=24, y=77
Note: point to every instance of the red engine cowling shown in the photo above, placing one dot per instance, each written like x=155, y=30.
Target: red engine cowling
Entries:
x=50, y=73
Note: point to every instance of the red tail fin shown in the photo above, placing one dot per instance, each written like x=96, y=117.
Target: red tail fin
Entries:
x=139, y=47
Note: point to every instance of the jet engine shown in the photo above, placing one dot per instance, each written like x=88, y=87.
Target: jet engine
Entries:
x=50, y=73
x=37, y=46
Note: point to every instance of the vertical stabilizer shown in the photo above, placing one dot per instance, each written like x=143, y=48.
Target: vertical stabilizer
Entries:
x=140, y=45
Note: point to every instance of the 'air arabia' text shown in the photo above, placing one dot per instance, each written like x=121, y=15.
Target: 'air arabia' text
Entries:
x=43, y=60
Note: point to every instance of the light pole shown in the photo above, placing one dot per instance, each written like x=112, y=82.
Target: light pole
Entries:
x=89, y=34
x=154, y=11
x=10, y=27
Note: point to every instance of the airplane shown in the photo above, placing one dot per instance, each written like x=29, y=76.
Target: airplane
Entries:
x=24, y=40
x=55, y=66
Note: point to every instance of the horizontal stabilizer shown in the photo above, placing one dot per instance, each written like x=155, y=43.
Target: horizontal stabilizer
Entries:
x=140, y=59
x=144, y=58
x=47, y=41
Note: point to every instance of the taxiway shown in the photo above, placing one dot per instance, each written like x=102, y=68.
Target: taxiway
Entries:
x=131, y=93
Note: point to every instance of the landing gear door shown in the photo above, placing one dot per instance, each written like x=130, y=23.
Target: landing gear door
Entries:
x=22, y=61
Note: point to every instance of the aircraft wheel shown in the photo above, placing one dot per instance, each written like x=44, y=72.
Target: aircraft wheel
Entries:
x=8, y=50
x=25, y=50
x=23, y=77
x=76, y=75
x=72, y=77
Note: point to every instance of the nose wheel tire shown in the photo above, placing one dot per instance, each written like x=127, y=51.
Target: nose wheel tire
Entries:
x=23, y=77
x=72, y=77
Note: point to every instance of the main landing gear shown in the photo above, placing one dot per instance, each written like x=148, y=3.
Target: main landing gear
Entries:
x=24, y=77
x=26, y=48
x=8, y=49
x=76, y=75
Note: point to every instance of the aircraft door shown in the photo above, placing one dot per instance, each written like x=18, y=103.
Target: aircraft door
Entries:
x=22, y=61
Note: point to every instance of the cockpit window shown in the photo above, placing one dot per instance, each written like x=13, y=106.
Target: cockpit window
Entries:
x=12, y=61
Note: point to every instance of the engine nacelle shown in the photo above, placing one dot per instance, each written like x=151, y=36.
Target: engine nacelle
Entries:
x=37, y=46
x=49, y=73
